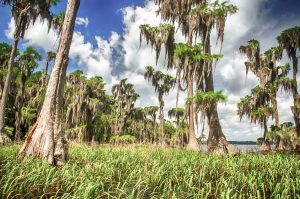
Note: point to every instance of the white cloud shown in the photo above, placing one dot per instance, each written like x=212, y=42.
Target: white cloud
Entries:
x=82, y=21
x=37, y=35
x=94, y=60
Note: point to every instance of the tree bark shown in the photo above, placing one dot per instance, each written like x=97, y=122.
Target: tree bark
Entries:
x=265, y=145
x=279, y=142
x=192, y=144
x=216, y=138
x=161, y=116
x=296, y=97
x=46, y=138
x=192, y=140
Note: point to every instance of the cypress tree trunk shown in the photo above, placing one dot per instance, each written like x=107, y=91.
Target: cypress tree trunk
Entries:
x=279, y=142
x=192, y=143
x=296, y=108
x=192, y=140
x=216, y=139
x=265, y=145
x=46, y=138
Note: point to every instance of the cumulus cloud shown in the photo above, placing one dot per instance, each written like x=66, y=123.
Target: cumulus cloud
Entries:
x=95, y=61
x=82, y=21
x=92, y=60
x=37, y=35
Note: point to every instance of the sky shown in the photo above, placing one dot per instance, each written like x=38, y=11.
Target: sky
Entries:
x=106, y=43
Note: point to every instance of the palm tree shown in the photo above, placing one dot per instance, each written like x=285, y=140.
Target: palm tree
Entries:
x=151, y=111
x=27, y=63
x=84, y=98
x=46, y=138
x=50, y=57
x=138, y=123
x=126, y=97
x=24, y=12
x=290, y=41
x=179, y=115
x=5, y=50
x=162, y=83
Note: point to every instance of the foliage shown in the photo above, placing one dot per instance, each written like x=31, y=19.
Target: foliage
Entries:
x=204, y=100
x=133, y=172
x=124, y=139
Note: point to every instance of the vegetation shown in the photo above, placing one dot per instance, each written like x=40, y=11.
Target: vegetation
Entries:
x=105, y=146
x=134, y=172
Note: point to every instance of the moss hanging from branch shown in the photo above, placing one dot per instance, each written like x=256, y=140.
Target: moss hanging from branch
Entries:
x=157, y=37
x=204, y=100
x=192, y=60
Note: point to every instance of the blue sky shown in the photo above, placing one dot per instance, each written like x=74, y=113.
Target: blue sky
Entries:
x=108, y=46
x=104, y=16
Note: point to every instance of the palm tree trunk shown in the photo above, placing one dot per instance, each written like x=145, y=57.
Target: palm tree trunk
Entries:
x=161, y=116
x=45, y=71
x=154, y=130
x=46, y=138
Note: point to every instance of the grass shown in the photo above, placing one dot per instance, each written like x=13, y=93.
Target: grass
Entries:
x=141, y=172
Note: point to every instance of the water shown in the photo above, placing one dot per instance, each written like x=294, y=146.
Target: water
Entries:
x=240, y=147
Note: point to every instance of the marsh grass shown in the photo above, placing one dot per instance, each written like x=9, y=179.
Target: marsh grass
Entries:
x=145, y=172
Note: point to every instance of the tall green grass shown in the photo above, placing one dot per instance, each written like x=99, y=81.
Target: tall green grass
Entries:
x=108, y=172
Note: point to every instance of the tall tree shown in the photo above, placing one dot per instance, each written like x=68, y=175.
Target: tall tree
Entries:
x=84, y=98
x=196, y=19
x=46, y=139
x=162, y=83
x=206, y=17
x=257, y=108
x=179, y=115
x=151, y=111
x=270, y=75
x=126, y=97
x=24, y=12
x=290, y=41
x=27, y=63
x=189, y=61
